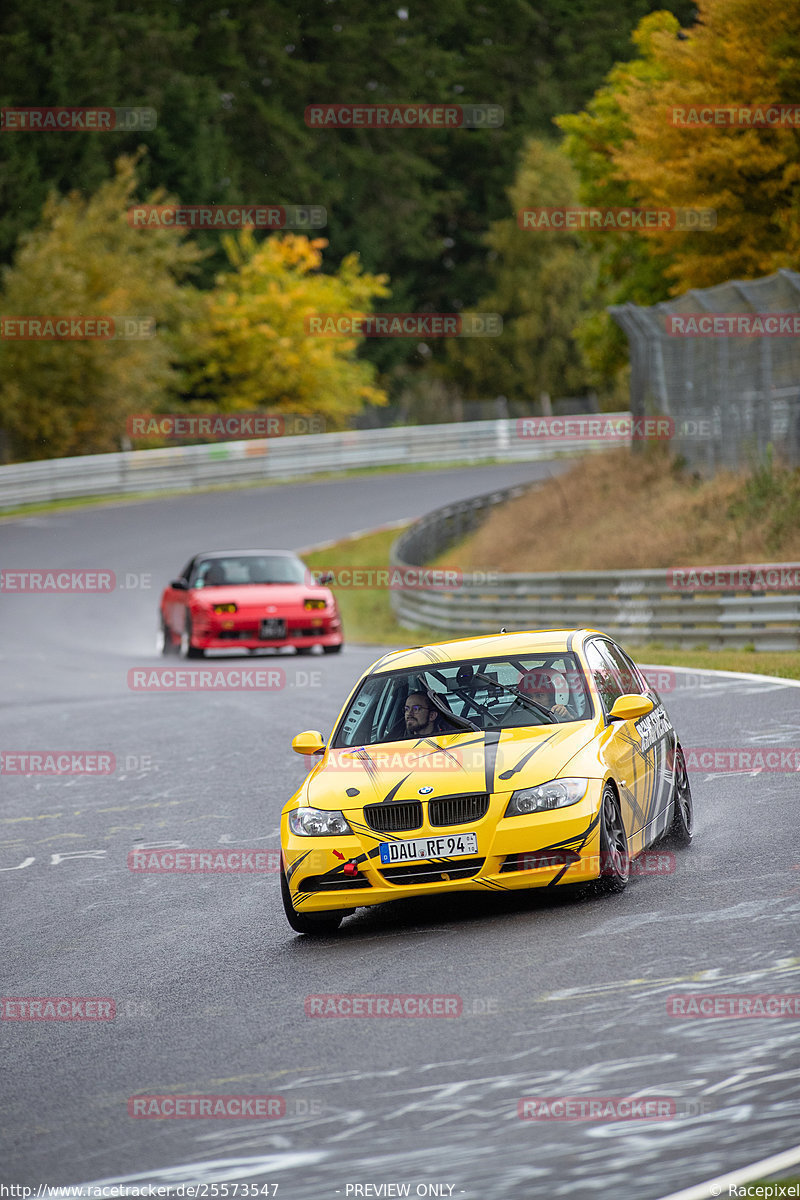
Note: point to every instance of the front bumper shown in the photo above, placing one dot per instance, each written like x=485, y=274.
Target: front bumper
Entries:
x=540, y=850
x=300, y=631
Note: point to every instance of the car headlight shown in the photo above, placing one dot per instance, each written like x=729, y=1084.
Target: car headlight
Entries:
x=318, y=822
x=310, y=605
x=224, y=608
x=558, y=793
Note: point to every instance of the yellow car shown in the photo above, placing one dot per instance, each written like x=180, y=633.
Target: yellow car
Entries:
x=493, y=763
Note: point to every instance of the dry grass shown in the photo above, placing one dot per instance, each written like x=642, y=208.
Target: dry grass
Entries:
x=613, y=511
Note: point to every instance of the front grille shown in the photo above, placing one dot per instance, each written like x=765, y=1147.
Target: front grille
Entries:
x=457, y=810
x=335, y=883
x=534, y=859
x=463, y=868
x=393, y=818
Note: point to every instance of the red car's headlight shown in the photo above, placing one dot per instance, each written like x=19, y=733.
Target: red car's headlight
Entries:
x=225, y=608
x=309, y=604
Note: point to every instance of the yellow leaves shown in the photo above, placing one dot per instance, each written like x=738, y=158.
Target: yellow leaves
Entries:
x=84, y=259
x=732, y=57
x=252, y=348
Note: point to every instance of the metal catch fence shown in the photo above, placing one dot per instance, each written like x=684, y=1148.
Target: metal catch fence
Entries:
x=729, y=380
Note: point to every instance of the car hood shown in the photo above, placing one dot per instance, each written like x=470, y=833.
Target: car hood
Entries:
x=453, y=764
x=261, y=595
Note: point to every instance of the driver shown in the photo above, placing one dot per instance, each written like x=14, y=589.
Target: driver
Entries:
x=422, y=719
x=539, y=686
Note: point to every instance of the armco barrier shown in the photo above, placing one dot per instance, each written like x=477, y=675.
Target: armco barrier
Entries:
x=220, y=464
x=633, y=606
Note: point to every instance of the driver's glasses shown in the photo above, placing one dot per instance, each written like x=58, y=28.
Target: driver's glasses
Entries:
x=414, y=708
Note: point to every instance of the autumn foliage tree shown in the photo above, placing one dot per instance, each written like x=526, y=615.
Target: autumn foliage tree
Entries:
x=65, y=397
x=635, y=144
x=739, y=54
x=252, y=348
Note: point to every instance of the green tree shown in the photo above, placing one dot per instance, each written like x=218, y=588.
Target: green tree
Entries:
x=68, y=397
x=628, y=267
x=540, y=279
x=231, y=85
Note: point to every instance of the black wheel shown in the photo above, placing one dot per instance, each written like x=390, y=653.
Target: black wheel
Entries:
x=187, y=650
x=316, y=926
x=164, y=643
x=682, y=828
x=615, y=865
x=303, y=649
x=332, y=649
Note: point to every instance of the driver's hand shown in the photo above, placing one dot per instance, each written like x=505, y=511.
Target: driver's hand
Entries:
x=559, y=710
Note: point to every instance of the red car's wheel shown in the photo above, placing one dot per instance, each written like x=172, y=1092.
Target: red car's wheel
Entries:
x=164, y=642
x=187, y=650
x=333, y=649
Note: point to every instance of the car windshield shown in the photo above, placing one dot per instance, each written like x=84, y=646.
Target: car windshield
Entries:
x=248, y=568
x=497, y=693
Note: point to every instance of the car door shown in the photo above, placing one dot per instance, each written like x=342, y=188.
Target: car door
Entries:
x=657, y=742
x=621, y=745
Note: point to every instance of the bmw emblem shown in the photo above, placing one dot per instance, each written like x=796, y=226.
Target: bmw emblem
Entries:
x=426, y=791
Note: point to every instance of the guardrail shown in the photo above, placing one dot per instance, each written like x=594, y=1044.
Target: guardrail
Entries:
x=220, y=464
x=633, y=606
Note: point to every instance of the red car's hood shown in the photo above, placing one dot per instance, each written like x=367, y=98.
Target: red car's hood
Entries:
x=261, y=595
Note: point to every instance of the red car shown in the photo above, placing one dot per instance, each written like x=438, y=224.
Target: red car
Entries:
x=247, y=600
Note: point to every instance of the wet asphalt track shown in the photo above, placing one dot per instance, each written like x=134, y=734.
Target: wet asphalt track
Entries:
x=561, y=997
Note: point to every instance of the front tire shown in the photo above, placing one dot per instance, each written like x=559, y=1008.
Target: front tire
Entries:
x=187, y=650
x=681, y=830
x=315, y=926
x=615, y=863
x=333, y=649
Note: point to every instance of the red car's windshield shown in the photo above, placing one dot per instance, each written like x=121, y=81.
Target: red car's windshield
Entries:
x=238, y=570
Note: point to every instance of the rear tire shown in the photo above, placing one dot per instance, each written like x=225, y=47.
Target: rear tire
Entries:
x=615, y=863
x=164, y=643
x=316, y=926
x=681, y=829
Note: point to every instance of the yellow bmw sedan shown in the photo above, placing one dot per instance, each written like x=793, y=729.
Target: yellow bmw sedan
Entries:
x=493, y=763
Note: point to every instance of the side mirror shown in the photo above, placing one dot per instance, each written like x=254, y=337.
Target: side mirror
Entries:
x=627, y=708
x=180, y=585
x=309, y=742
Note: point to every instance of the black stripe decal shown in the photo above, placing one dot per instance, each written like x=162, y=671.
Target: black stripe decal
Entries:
x=509, y=774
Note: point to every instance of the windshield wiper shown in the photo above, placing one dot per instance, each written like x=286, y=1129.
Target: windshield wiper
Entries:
x=525, y=699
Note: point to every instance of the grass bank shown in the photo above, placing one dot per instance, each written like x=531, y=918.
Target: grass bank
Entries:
x=368, y=617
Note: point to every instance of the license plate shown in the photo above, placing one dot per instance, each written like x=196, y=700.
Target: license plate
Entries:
x=455, y=845
x=272, y=627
